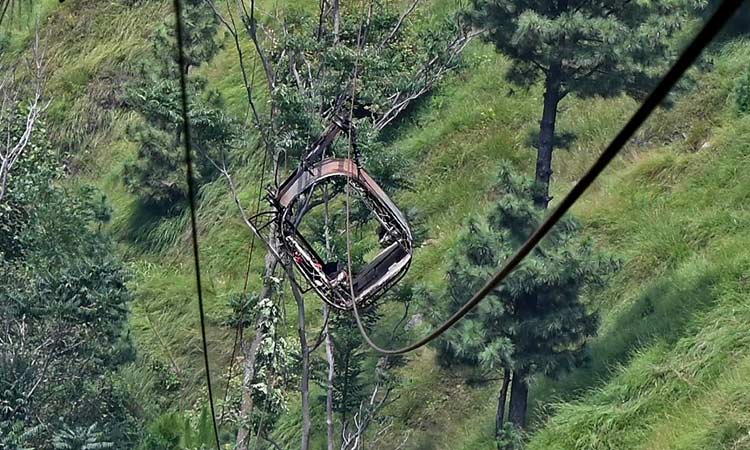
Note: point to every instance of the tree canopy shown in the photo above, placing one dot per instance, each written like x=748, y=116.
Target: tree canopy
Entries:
x=63, y=316
x=594, y=47
x=157, y=177
x=538, y=320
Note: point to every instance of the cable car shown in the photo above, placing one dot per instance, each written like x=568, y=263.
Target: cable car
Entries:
x=329, y=280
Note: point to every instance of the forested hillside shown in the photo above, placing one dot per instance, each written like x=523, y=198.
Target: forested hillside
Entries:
x=637, y=334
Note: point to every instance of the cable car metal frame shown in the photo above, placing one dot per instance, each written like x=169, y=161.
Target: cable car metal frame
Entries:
x=386, y=269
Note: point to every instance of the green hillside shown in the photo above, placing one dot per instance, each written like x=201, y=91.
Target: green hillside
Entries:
x=670, y=367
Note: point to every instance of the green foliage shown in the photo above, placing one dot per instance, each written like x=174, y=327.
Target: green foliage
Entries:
x=510, y=438
x=174, y=431
x=80, y=438
x=64, y=313
x=742, y=92
x=27, y=181
x=274, y=361
x=349, y=384
x=199, y=34
x=158, y=176
x=679, y=302
x=314, y=71
x=538, y=320
x=594, y=48
x=18, y=436
x=452, y=141
x=163, y=433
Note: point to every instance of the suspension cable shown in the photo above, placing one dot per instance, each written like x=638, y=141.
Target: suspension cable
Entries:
x=722, y=15
x=191, y=197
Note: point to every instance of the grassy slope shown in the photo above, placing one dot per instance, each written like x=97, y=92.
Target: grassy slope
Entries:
x=670, y=360
x=676, y=317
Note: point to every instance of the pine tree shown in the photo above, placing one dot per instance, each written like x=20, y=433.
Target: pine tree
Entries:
x=349, y=388
x=537, y=322
x=582, y=47
x=158, y=175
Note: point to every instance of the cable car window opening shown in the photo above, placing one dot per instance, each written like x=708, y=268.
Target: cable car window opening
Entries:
x=315, y=183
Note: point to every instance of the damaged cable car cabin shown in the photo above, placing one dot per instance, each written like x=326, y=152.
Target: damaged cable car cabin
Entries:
x=329, y=279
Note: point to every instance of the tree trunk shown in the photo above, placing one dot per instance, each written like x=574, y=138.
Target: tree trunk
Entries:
x=345, y=389
x=4, y=172
x=552, y=96
x=330, y=432
x=336, y=7
x=250, y=349
x=519, y=393
x=500, y=415
x=305, y=353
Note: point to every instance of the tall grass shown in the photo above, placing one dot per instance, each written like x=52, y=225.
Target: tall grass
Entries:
x=672, y=359
x=671, y=347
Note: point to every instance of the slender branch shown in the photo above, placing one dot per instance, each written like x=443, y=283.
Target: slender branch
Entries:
x=400, y=22
x=251, y=26
x=14, y=148
x=321, y=17
x=305, y=350
x=231, y=26
x=323, y=331
x=429, y=75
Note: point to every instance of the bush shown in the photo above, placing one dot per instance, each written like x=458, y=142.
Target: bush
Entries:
x=742, y=92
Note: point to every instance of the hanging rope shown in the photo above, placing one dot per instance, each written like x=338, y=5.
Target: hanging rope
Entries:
x=191, y=197
x=360, y=44
x=685, y=61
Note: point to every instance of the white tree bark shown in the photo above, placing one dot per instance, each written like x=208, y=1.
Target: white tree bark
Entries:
x=13, y=147
x=330, y=432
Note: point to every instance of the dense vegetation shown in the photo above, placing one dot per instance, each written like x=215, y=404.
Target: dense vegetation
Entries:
x=100, y=346
x=64, y=313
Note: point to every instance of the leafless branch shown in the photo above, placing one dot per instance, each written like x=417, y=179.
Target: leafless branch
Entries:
x=330, y=374
x=323, y=331
x=13, y=147
x=305, y=352
x=251, y=26
x=400, y=22
x=353, y=433
x=231, y=27
x=426, y=78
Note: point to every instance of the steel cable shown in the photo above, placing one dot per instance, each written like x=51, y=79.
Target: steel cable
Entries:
x=188, y=147
x=714, y=25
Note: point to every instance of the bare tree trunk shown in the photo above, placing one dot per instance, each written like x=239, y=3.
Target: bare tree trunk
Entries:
x=518, y=400
x=323, y=6
x=345, y=389
x=336, y=10
x=250, y=349
x=12, y=147
x=330, y=432
x=552, y=97
x=500, y=415
x=305, y=376
x=353, y=434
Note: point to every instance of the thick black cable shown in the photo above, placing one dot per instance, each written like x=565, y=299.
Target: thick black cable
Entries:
x=188, y=144
x=714, y=25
